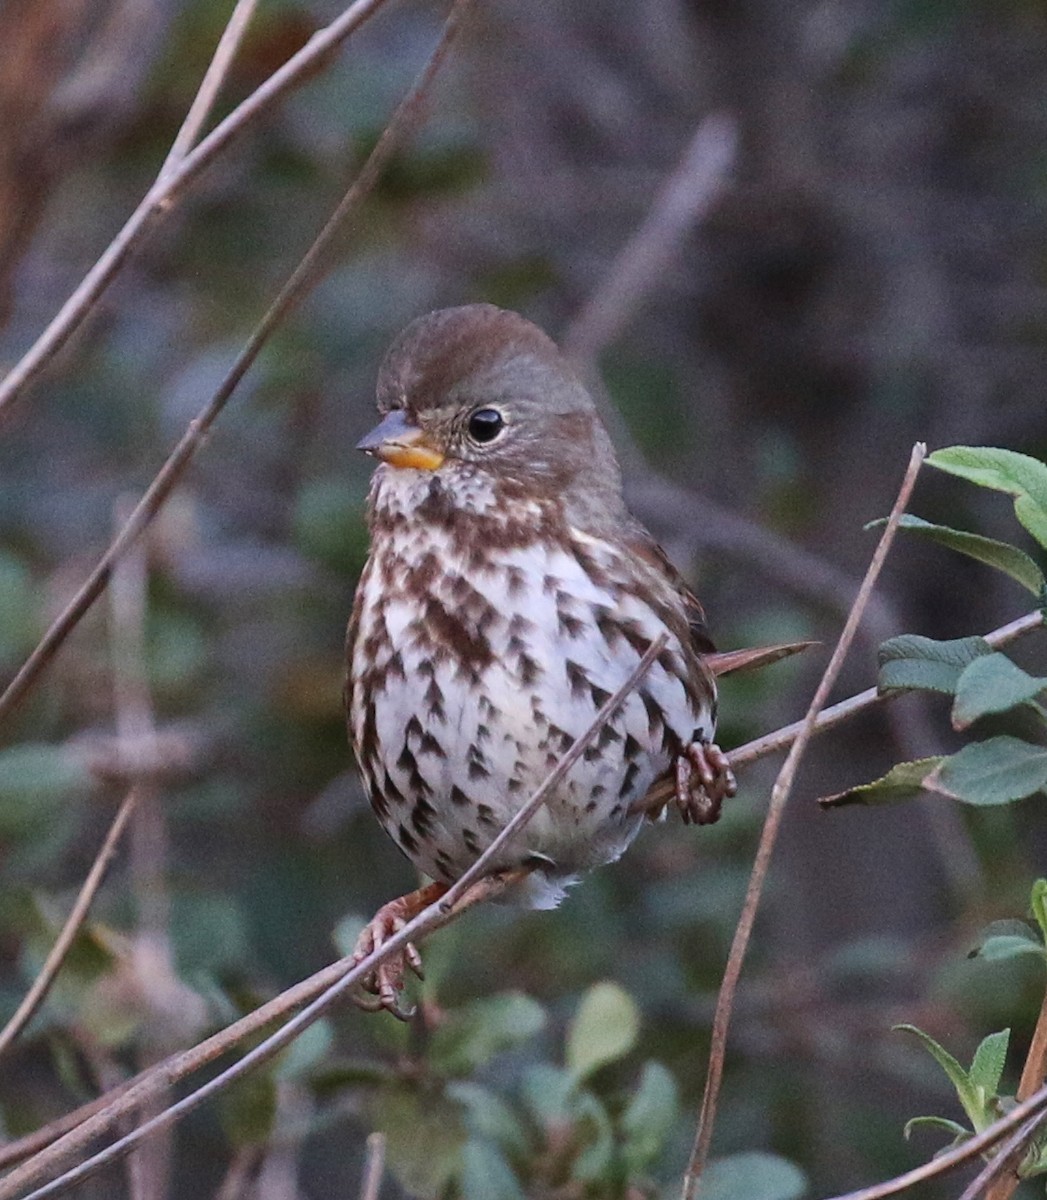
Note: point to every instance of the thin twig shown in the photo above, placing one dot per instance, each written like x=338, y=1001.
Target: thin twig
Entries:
x=1034, y=1072
x=304, y=276
x=210, y=85
x=1002, y=1167
x=337, y=980
x=168, y=188
x=374, y=1168
x=53, y=963
x=687, y=195
x=151, y=955
x=1033, y=1108
x=779, y=796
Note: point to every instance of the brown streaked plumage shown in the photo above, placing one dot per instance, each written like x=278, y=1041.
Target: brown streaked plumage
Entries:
x=507, y=595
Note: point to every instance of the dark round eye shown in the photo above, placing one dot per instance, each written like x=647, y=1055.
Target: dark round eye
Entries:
x=486, y=424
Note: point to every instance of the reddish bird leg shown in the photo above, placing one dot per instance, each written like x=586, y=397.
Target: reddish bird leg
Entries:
x=701, y=799
x=388, y=977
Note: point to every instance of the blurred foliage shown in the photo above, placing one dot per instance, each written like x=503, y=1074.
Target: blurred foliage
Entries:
x=874, y=274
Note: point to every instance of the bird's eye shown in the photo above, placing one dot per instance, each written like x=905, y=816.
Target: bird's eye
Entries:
x=485, y=425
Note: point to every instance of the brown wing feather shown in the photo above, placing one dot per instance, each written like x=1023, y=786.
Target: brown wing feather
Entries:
x=646, y=548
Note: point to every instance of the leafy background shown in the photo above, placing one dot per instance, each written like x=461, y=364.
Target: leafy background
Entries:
x=874, y=273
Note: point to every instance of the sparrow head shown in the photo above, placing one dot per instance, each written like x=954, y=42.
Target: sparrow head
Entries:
x=480, y=389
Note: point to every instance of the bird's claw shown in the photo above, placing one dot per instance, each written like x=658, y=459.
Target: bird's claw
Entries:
x=388, y=977
x=701, y=799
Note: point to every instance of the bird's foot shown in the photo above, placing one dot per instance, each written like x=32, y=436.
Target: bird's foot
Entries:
x=387, y=979
x=700, y=799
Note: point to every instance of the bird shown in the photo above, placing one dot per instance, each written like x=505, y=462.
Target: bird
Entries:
x=507, y=594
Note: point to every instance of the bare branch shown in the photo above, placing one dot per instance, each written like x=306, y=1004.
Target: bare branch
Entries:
x=1001, y=1170
x=779, y=796
x=304, y=277
x=1035, y=1108
x=685, y=198
x=210, y=85
x=374, y=1167
x=53, y=963
x=1033, y=1075
x=168, y=188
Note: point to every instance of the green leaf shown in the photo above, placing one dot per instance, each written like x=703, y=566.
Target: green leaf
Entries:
x=593, y=1130
x=604, y=1029
x=911, y=661
x=996, y=771
x=902, y=782
x=753, y=1175
x=548, y=1092
x=473, y=1035
x=489, y=1118
x=1018, y=475
x=1007, y=939
x=649, y=1117
x=960, y=1133
x=424, y=1136
x=958, y=1077
x=1038, y=903
x=988, y=1063
x=1001, y=555
x=486, y=1175
x=992, y=684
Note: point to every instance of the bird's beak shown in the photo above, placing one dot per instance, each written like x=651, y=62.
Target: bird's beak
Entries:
x=401, y=444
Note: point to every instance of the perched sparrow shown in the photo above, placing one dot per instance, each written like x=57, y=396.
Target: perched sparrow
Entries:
x=508, y=593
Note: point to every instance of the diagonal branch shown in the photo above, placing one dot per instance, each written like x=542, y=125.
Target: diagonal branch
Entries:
x=779, y=796
x=172, y=181
x=403, y=121
x=78, y=914
x=210, y=85
x=1033, y=1109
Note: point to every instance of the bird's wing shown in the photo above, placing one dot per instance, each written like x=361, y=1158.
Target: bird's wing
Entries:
x=646, y=548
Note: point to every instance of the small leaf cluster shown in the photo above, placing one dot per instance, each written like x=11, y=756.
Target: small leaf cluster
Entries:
x=453, y=1129
x=982, y=682
x=978, y=1087
x=479, y=1113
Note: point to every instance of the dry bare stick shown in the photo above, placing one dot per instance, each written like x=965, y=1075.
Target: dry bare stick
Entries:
x=304, y=276
x=152, y=959
x=210, y=85
x=53, y=963
x=1005, y=1178
x=779, y=796
x=685, y=198
x=1035, y=1108
x=338, y=978
x=1002, y=1168
x=161, y=197
x=374, y=1168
